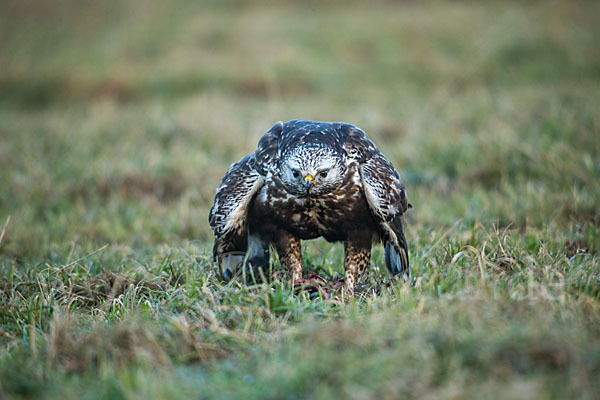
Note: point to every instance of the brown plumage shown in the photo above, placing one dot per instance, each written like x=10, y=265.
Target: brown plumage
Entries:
x=306, y=180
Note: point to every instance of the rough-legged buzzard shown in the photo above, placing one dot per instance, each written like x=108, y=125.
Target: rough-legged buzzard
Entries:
x=305, y=180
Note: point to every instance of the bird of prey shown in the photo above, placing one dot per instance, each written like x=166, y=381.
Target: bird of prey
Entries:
x=306, y=180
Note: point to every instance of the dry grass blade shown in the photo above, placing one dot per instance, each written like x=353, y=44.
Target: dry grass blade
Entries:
x=86, y=256
x=4, y=229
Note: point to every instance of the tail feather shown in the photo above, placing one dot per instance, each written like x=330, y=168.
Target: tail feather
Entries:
x=396, y=252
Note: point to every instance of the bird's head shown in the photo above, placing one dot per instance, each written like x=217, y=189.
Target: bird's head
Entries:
x=311, y=169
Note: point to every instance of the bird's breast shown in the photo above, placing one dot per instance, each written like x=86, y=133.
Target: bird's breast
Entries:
x=332, y=215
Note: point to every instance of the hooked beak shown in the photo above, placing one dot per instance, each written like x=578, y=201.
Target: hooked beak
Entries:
x=308, y=181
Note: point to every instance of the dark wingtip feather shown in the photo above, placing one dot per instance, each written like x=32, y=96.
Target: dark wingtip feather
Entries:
x=396, y=260
x=396, y=257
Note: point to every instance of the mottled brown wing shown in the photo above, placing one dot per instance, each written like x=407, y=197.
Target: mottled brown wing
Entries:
x=383, y=188
x=229, y=212
x=356, y=143
x=387, y=200
x=267, y=150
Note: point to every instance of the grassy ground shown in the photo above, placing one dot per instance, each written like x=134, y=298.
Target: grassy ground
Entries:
x=118, y=119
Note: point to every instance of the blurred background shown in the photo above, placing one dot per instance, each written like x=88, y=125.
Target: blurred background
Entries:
x=118, y=119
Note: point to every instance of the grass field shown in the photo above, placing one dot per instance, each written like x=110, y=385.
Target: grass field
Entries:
x=118, y=120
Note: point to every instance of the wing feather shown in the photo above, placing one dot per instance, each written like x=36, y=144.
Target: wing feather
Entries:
x=387, y=200
x=229, y=212
x=383, y=187
x=267, y=151
x=356, y=143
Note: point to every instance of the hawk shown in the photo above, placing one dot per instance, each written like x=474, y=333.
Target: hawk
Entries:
x=306, y=180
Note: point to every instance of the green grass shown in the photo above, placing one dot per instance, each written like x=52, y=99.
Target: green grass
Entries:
x=118, y=120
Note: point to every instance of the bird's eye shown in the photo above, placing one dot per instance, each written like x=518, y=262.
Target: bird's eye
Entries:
x=323, y=174
x=296, y=173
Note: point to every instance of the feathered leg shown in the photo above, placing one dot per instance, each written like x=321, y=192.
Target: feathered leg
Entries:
x=356, y=262
x=289, y=250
